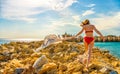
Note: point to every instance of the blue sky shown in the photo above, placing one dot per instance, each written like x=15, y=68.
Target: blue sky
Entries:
x=38, y=18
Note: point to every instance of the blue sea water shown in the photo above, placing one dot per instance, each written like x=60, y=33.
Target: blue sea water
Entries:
x=113, y=47
x=3, y=41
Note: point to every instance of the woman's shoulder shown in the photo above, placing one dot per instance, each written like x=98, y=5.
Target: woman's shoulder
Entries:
x=92, y=25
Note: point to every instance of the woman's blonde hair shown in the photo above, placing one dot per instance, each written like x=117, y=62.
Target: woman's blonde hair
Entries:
x=85, y=22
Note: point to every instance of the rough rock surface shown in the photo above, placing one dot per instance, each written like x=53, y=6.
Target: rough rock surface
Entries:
x=61, y=59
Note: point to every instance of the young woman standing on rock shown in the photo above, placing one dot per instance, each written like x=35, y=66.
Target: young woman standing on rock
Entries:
x=89, y=38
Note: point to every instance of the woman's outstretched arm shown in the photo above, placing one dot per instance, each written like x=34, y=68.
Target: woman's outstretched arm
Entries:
x=79, y=32
x=98, y=32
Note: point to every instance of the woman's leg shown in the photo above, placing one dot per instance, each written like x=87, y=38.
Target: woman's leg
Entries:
x=89, y=52
x=86, y=52
x=86, y=46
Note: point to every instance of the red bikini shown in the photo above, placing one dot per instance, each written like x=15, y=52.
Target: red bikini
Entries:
x=88, y=39
x=88, y=31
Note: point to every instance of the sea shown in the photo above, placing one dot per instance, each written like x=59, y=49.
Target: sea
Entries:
x=113, y=47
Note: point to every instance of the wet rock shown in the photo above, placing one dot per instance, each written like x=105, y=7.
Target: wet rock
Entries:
x=113, y=72
x=105, y=51
x=18, y=70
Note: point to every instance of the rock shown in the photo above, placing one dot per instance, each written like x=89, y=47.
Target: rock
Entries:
x=105, y=51
x=14, y=56
x=75, y=66
x=57, y=50
x=117, y=69
x=95, y=72
x=40, y=62
x=55, y=59
x=115, y=64
x=16, y=63
x=6, y=53
x=4, y=48
x=1, y=71
x=106, y=69
x=113, y=72
x=62, y=67
x=36, y=55
x=103, y=70
x=77, y=73
x=18, y=70
x=29, y=70
x=93, y=66
x=47, y=67
x=73, y=54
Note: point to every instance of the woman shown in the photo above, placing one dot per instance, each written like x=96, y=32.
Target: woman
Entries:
x=88, y=39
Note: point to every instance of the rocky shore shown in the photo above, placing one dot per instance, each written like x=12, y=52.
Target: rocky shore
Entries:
x=19, y=58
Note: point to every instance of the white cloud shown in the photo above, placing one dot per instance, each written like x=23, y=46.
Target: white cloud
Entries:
x=59, y=5
x=107, y=21
x=76, y=17
x=88, y=12
x=103, y=23
x=56, y=26
x=91, y=5
x=24, y=9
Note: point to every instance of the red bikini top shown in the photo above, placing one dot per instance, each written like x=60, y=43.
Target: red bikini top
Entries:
x=88, y=31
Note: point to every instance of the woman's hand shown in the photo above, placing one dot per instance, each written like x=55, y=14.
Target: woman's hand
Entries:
x=73, y=37
x=103, y=38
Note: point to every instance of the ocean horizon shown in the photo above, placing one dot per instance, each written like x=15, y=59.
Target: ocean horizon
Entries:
x=3, y=41
x=113, y=47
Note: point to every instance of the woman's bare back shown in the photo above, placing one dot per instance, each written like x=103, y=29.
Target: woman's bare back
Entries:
x=89, y=30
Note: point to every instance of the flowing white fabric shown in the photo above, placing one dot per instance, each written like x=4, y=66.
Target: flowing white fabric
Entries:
x=47, y=41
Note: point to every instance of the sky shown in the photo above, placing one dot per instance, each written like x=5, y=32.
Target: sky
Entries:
x=38, y=18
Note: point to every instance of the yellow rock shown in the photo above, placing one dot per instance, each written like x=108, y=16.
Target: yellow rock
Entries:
x=62, y=67
x=77, y=73
x=75, y=66
x=47, y=67
x=115, y=63
x=60, y=72
x=61, y=58
x=73, y=54
x=4, y=48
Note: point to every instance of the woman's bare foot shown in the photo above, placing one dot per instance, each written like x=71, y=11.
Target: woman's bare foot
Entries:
x=82, y=59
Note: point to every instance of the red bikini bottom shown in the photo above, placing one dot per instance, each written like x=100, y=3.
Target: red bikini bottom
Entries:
x=88, y=39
